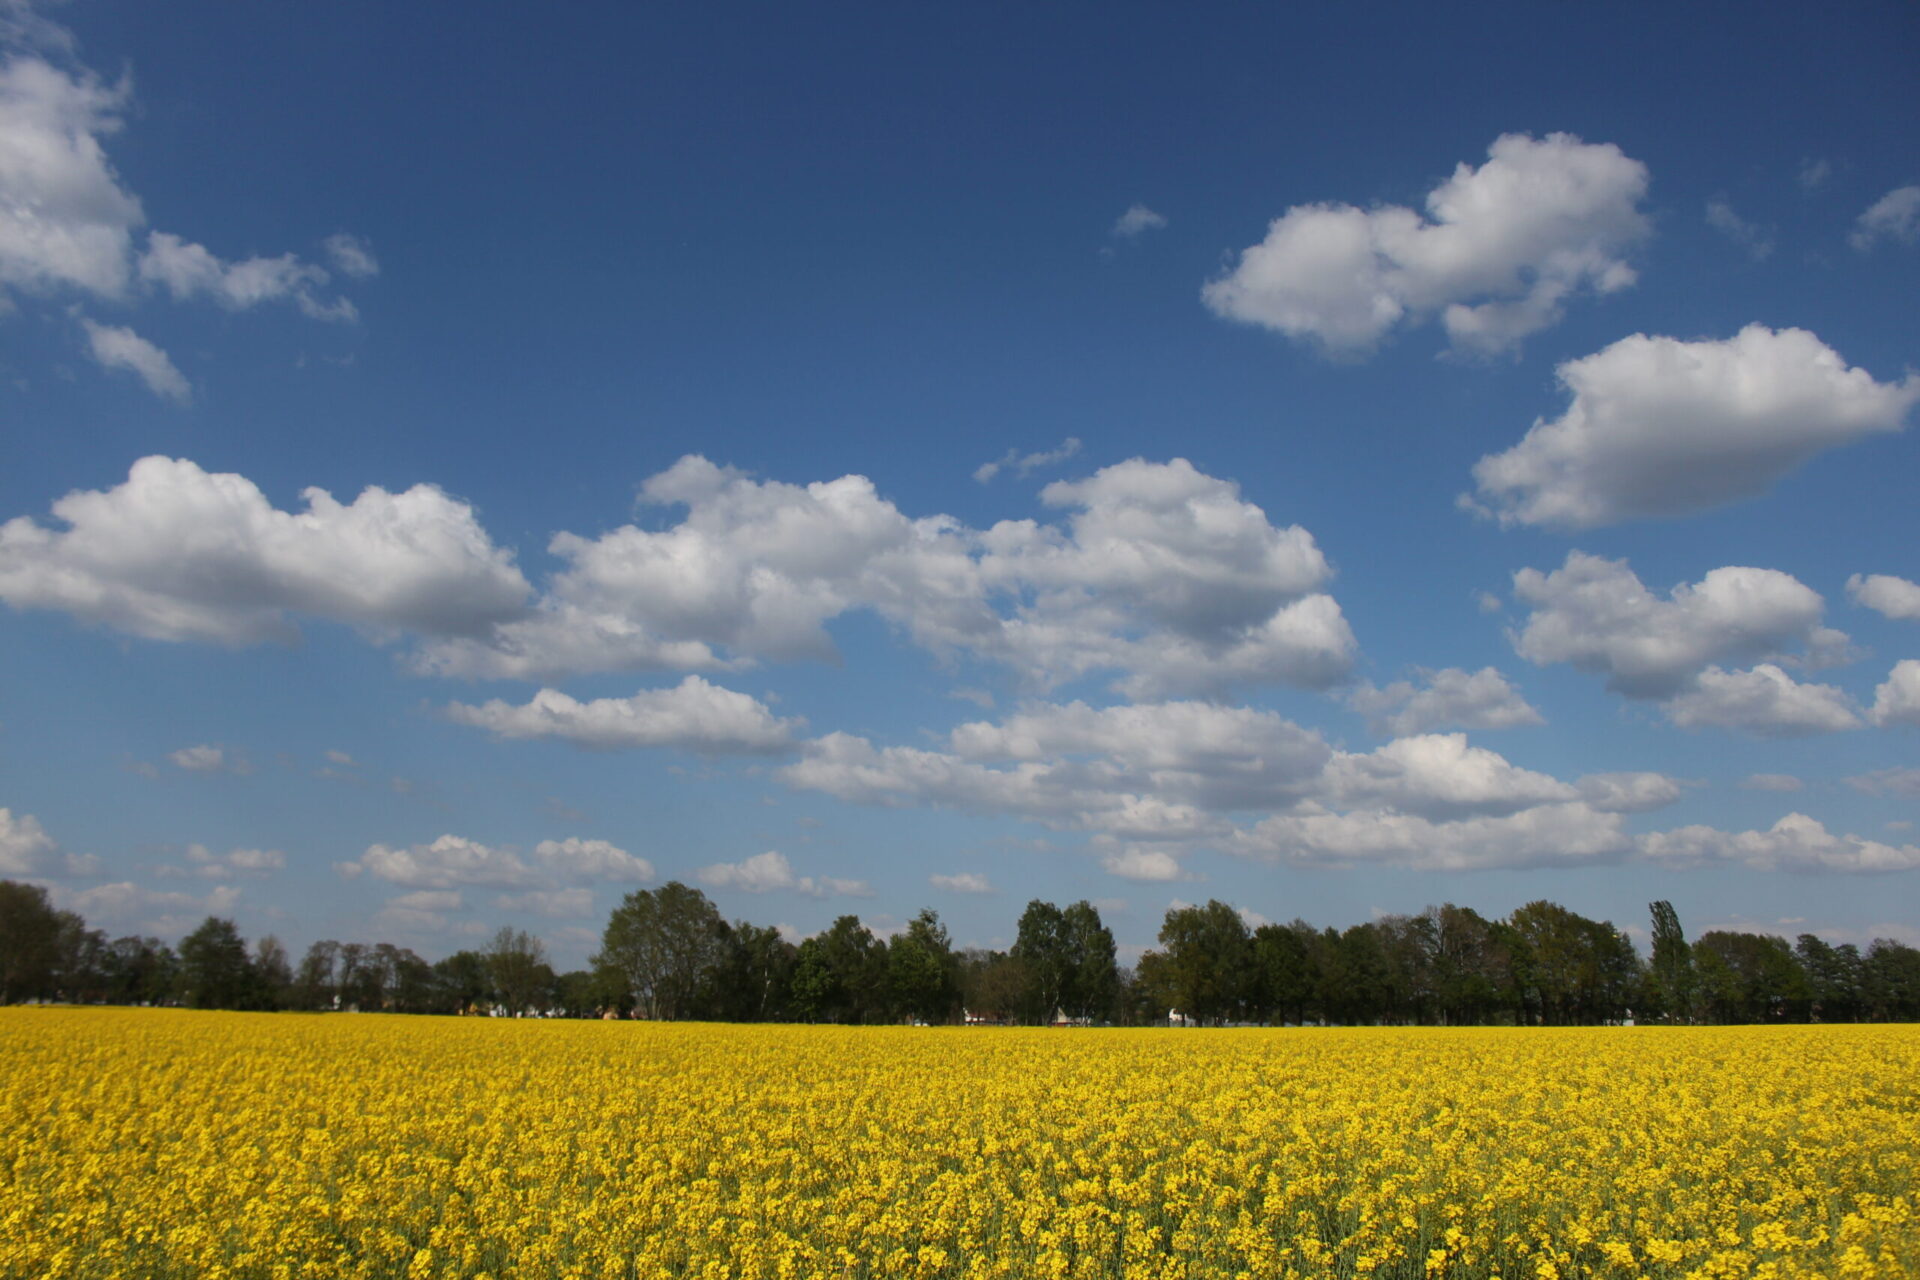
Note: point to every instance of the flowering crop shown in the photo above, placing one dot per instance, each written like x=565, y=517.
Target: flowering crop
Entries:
x=168, y=1143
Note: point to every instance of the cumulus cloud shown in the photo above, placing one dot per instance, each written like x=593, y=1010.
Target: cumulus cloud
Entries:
x=1795, y=843
x=1145, y=865
x=1640, y=791
x=1660, y=427
x=1596, y=614
x=1137, y=220
x=124, y=906
x=1160, y=573
x=1439, y=776
x=1894, y=216
x=1500, y=251
x=234, y=862
x=962, y=882
x=27, y=850
x=1023, y=465
x=1450, y=699
x=118, y=347
x=770, y=872
x=574, y=860
x=1764, y=701
x=450, y=862
x=1897, y=701
x=692, y=716
x=177, y=553
x=1570, y=834
x=1886, y=595
x=1755, y=239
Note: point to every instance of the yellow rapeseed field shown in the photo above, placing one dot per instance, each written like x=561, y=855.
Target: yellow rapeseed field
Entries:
x=158, y=1143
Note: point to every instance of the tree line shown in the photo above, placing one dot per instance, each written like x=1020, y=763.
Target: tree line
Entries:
x=667, y=953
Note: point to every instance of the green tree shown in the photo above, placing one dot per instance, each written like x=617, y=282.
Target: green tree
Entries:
x=1833, y=978
x=1207, y=959
x=215, y=971
x=1092, y=978
x=29, y=942
x=517, y=966
x=1283, y=973
x=1670, y=979
x=663, y=945
x=923, y=972
x=755, y=981
x=1040, y=945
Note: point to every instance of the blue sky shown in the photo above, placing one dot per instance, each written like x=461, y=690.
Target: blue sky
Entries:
x=463, y=463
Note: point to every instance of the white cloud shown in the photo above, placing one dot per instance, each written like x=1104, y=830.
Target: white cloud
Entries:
x=1660, y=427
x=200, y=759
x=118, y=347
x=187, y=270
x=1145, y=865
x=27, y=850
x=1136, y=220
x=1894, y=216
x=1571, y=834
x=1500, y=251
x=1161, y=573
x=770, y=872
x=1755, y=239
x=1795, y=843
x=234, y=862
x=65, y=220
x=351, y=255
x=1765, y=702
x=127, y=907
x=1452, y=699
x=557, y=904
x=692, y=716
x=1771, y=782
x=1897, y=701
x=177, y=553
x=1597, y=615
x=1633, y=792
x=1905, y=782
x=450, y=862
x=1023, y=465
x=1886, y=595
x=963, y=882
x=1438, y=776
x=574, y=859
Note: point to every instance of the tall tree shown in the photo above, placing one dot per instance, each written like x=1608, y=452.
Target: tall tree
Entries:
x=1040, y=946
x=1207, y=953
x=29, y=942
x=517, y=964
x=1091, y=977
x=663, y=944
x=215, y=971
x=1670, y=984
x=923, y=972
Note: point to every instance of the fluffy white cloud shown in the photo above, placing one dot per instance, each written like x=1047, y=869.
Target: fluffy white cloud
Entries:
x=1137, y=220
x=1795, y=843
x=1894, y=216
x=1597, y=615
x=1634, y=792
x=1438, y=776
x=1661, y=427
x=1451, y=699
x=234, y=862
x=118, y=347
x=573, y=860
x=963, y=882
x=770, y=872
x=187, y=270
x=1569, y=834
x=557, y=904
x=1764, y=701
x=200, y=759
x=692, y=716
x=1886, y=595
x=124, y=906
x=27, y=850
x=1161, y=573
x=448, y=863
x=1146, y=865
x=65, y=220
x=1897, y=701
x=1755, y=239
x=177, y=553
x=1500, y=251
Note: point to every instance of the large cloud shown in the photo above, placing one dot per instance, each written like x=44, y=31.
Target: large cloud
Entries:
x=1662, y=427
x=1897, y=701
x=1500, y=251
x=1570, y=834
x=1451, y=699
x=449, y=862
x=1597, y=615
x=770, y=872
x=1795, y=843
x=1765, y=701
x=692, y=716
x=177, y=553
